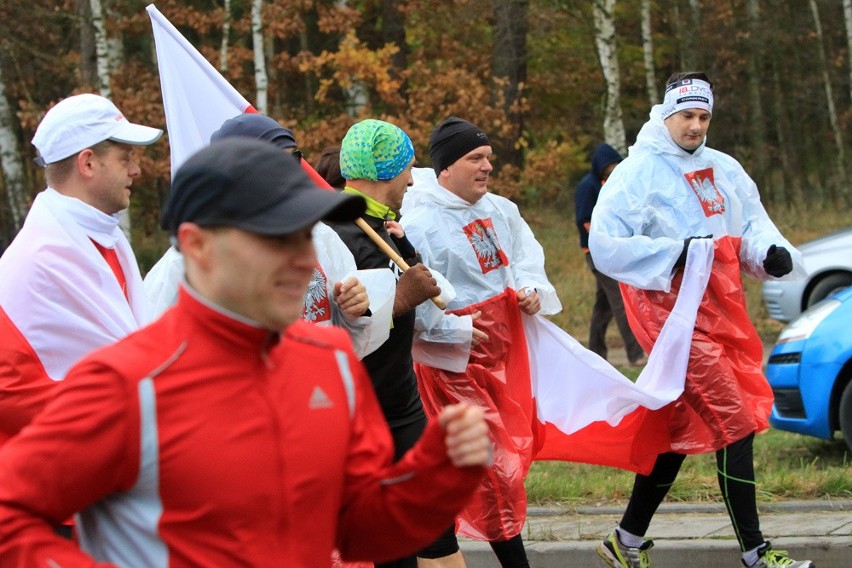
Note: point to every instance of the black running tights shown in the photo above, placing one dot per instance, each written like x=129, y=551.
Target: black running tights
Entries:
x=511, y=553
x=735, y=472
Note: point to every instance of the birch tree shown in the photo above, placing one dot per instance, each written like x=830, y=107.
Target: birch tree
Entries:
x=648, y=53
x=261, y=79
x=226, y=33
x=101, y=48
x=604, y=16
x=829, y=99
x=10, y=160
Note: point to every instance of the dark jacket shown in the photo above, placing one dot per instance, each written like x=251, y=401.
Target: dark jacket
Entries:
x=390, y=366
x=590, y=187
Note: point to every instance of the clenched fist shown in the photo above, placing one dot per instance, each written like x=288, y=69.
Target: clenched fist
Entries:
x=415, y=286
x=351, y=297
x=467, y=439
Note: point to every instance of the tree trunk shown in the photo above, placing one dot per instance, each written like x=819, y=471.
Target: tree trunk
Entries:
x=226, y=34
x=10, y=161
x=829, y=99
x=648, y=54
x=101, y=48
x=757, y=131
x=393, y=31
x=357, y=95
x=509, y=63
x=88, y=60
x=604, y=15
x=309, y=84
x=115, y=44
x=260, y=78
x=787, y=148
x=689, y=36
x=847, y=15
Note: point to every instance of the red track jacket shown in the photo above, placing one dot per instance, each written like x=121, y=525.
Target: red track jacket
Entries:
x=198, y=441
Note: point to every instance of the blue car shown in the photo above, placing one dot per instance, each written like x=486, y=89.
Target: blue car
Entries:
x=810, y=371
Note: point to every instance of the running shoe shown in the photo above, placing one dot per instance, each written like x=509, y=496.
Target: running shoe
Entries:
x=770, y=558
x=616, y=555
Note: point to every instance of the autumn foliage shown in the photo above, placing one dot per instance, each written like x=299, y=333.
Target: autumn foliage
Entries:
x=331, y=63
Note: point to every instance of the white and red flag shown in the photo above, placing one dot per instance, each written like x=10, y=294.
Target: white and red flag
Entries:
x=546, y=396
x=197, y=99
x=59, y=300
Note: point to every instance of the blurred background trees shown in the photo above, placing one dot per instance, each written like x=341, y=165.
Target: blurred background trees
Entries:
x=547, y=79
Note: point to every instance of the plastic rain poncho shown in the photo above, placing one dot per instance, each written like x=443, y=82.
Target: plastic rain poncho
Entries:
x=656, y=198
x=488, y=253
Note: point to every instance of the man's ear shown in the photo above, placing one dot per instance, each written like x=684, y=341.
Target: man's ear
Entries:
x=85, y=163
x=194, y=243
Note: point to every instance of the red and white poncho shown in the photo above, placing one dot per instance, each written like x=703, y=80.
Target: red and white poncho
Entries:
x=656, y=198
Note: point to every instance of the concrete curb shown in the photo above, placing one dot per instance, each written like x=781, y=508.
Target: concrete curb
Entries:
x=688, y=508
x=685, y=534
x=826, y=552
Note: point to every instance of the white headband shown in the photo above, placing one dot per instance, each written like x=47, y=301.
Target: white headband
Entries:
x=687, y=93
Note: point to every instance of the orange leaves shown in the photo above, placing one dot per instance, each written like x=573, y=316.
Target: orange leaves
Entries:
x=353, y=64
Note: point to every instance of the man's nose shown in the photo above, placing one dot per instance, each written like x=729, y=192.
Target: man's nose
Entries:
x=305, y=255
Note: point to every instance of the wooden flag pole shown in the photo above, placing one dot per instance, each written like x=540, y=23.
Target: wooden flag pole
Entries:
x=392, y=254
x=368, y=230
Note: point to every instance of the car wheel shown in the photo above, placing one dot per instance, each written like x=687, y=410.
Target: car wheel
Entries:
x=828, y=285
x=845, y=412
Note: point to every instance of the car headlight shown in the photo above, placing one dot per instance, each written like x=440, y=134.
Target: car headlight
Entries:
x=803, y=326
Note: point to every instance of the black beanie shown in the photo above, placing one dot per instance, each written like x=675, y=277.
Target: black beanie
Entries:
x=452, y=139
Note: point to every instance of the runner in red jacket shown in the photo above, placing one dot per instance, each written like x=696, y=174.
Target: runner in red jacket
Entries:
x=206, y=438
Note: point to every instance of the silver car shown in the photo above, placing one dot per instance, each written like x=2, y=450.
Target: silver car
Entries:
x=828, y=262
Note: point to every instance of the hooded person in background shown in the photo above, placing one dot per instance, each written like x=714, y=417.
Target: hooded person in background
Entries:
x=485, y=249
x=335, y=295
x=670, y=190
x=70, y=280
x=230, y=432
x=608, y=303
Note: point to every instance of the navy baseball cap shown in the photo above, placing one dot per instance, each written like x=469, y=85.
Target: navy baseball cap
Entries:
x=258, y=126
x=252, y=185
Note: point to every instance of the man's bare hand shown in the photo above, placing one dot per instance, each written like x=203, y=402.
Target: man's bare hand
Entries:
x=529, y=303
x=479, y=336
x=468, y=443
x=351, y=297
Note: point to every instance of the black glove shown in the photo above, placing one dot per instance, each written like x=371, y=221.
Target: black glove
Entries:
x=681, y=260
x=405, y=248
x=778, y=261
x=415, y=286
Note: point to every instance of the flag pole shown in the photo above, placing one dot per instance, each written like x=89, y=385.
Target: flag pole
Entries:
x=370, y=232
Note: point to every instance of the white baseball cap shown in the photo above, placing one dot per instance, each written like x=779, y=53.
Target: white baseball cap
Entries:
x=80, y=122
